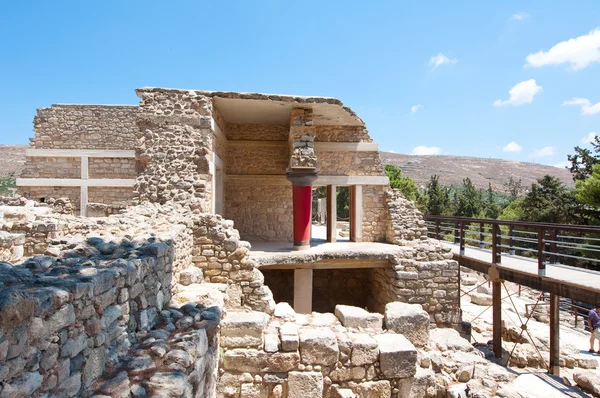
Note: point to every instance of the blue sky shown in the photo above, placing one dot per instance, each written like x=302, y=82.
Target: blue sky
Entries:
x=450, y=60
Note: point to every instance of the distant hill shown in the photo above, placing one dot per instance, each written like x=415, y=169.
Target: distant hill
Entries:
x=452, y=170
x=12, y=159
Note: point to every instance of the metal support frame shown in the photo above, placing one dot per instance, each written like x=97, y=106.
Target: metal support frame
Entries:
x=554, y=335
x=497, y=317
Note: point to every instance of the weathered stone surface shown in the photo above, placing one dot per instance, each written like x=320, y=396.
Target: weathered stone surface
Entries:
x=355, y=317
x=169, y=385
x=446, y=339
x=305, y=384
x=94, y=366
x=285, y=311
x=374, y=389
x=288, y=333
x=481, y=298
x=22, y=387
x=318, y=346
x=243, y=329
x=338, y=392
x=397, y=356
x=408, y=319
x=365, y=350
x=588, y=381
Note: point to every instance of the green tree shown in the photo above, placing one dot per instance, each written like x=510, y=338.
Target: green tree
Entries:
x=512, y=212
x=438, y=195
x=491, y=208
x=468, y=200
x=406, y=185
x=583, y=161
x=514, y=188
x=6, y=183
x=588, y=191
x=549, y=201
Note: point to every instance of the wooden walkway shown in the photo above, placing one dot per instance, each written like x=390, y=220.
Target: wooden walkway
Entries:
x=575, y=283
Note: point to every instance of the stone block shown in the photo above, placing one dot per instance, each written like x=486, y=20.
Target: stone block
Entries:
x=408, y=319
x=245, y=360
x=288, y=334
x=243, y=329
x=397, y=356
x=374, y=389
x=305, y=385
x=445, y=339
x=481, y=299
x=355, y=317
x=365, y=350
x=318, y=346
x=254, y=390
x=339, y=392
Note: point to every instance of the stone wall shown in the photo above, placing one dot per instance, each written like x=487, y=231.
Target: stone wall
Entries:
x=175, y=142
x=340, y=286
x=269, y=158
x=42, y=194
x=44, y=167
x=375, y=214
x=257, y=132
x=342, y=134
x=345, y=163
x=405, y=220
x=111, y=168
x=118, y=197
x=85, y=127
x=260, y=212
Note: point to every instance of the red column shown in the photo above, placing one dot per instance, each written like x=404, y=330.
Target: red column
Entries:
x=302, y=202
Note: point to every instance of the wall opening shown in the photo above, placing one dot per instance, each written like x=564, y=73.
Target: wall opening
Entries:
x=320, y=214
x=281, y=283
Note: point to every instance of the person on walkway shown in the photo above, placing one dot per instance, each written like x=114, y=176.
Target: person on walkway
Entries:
x=594, y=323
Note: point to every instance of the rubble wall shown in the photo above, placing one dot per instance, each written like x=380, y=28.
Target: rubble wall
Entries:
x=85, y=127
x=375, y=213
x=257, y=132
x=269, y=158
x=342, y=134
x=347, y=163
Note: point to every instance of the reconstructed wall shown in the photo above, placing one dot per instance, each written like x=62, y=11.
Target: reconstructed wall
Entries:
x=118, y=197
x=375, y=214
x=44, y=167
x=85, y=127
x=111, y=168
x=260, y=212
x=257, y=132
x=342, y=134
x=346, y=163
x=269, y=158
x=42, y=194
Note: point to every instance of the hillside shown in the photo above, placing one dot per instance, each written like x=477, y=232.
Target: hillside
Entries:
x=452, y=170
x=12, y=159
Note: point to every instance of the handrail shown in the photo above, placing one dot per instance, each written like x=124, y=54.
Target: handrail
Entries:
x=546, y=241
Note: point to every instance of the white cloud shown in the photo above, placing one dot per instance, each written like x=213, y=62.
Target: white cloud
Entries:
x=521, y=93
x=589, y=138
x=441, y=59
x=544, y=152
x=426, y=150
x=586, y=106
x=562, y=165
x=520, y=16
x=579, y=52
x=415, y=108
x=512, y=147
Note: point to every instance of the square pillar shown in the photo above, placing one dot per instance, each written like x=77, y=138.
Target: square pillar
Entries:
x=83, y=193
x=356, y=213
x=331, y=213
x=303, y=287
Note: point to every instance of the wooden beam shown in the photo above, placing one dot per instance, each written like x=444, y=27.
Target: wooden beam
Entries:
x=75, y=153
x=554, y=335
x=497, y=317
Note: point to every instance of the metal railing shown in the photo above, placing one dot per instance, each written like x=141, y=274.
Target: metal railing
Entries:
x=571, y=245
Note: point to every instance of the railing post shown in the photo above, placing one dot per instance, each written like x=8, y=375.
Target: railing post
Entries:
x=456, y=232
x=437, y=229
x=511, y=242
x=497, y=318
x=462, y=238
x=554, y=335
x=540, y=253
x=553, y=248
x=481, y=242
x=496, y=242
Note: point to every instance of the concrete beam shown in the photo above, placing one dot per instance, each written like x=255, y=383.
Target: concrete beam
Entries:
x=75, y=182
x=75, y=153
x=261, y=179
x=303, y=287
x=333, y=264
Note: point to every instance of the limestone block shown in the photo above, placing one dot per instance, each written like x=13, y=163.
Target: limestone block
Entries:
x=288, y=334
x=374, y=389
x=397, y=356
x=23, y=386
x=169, y=384
x=365, y=350
x=271, y=342
x=245, y=360
x=481, y=299
x=318, y=346
x=588, y=381
x=339, y=392
x=355, y=317
x=305, y=385
x=243, y=329
x=408, y=319
x=445, y=339
x=285, y=311
x=254, y=390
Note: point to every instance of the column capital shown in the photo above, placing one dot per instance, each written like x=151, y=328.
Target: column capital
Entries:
x=302, y=177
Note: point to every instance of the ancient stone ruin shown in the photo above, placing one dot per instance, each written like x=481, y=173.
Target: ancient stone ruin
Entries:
x=128, y=272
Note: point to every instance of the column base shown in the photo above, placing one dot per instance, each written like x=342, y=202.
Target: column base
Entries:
x=301, y=246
